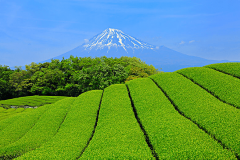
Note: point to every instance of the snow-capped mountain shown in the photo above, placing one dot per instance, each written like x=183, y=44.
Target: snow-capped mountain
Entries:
x=115, y=38
x=115, y=43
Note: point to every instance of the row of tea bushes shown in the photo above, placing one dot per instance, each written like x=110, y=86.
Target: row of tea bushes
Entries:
x=75, y=131
x=223, y=86
x=33, y=136
x=14, y=129
x=11, y=119
x=8, y=121
x=6, y=114
x=219, y=119
x=2, y=109
x=31, y=101
x=172, y=135
x=232, y=68
x=118, y=134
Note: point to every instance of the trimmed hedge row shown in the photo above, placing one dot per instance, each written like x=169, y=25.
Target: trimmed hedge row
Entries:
x=5, y=115
x=75, y=131
x=223, y=86
x=172, y=135
x=28, y=109
x=118, y=134
x=6, y=122
x=14, y=129
x=19, y=111
x=232, y=68
x=2, y=109
x=31, y=100
x=219, y=119
x=7, y=111
x=44, y=129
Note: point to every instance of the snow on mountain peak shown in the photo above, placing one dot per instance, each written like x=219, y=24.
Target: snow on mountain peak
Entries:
x=115, y=38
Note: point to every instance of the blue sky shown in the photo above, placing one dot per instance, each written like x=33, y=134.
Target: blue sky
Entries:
x=36, y=30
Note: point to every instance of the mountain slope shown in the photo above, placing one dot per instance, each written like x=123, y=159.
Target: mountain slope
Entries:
x=115, y=43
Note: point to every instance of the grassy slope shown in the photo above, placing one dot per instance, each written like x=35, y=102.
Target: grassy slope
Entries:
x=228, y=68
x=19, y=126
x=219, y=119
x=171, y=134
x=2, y=109
x=31, y=100
x=75, y=131
x=166, y=128
x=11, y=119
x=44, y=129
x=223, y=86
x=7, y=115
x=8, y=111
x=118, y=134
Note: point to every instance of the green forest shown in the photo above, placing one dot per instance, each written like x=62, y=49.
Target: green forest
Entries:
x=70, y=77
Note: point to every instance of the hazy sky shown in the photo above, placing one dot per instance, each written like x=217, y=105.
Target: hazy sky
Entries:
x=36, y=30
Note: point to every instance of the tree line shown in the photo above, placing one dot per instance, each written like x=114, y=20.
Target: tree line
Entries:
x=70, y=77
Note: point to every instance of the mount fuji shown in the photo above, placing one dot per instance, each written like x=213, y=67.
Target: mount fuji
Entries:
x=115, y=43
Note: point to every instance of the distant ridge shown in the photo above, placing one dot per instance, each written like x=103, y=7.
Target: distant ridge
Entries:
x=115, y=43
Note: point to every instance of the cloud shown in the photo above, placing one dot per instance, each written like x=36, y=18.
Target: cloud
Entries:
x=191, y=41
x=157, y=47
x=182, y=42
x=86, y=40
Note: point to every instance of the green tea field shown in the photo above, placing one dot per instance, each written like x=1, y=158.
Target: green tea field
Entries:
x=30, y=101
x=192, y=113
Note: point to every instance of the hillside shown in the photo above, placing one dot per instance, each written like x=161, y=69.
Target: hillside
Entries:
x=192, y=113
x=115, y=43
x=29, y=101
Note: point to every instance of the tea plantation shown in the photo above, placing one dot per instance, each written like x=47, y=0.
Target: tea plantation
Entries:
x=29, y=101
x=193, y=113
